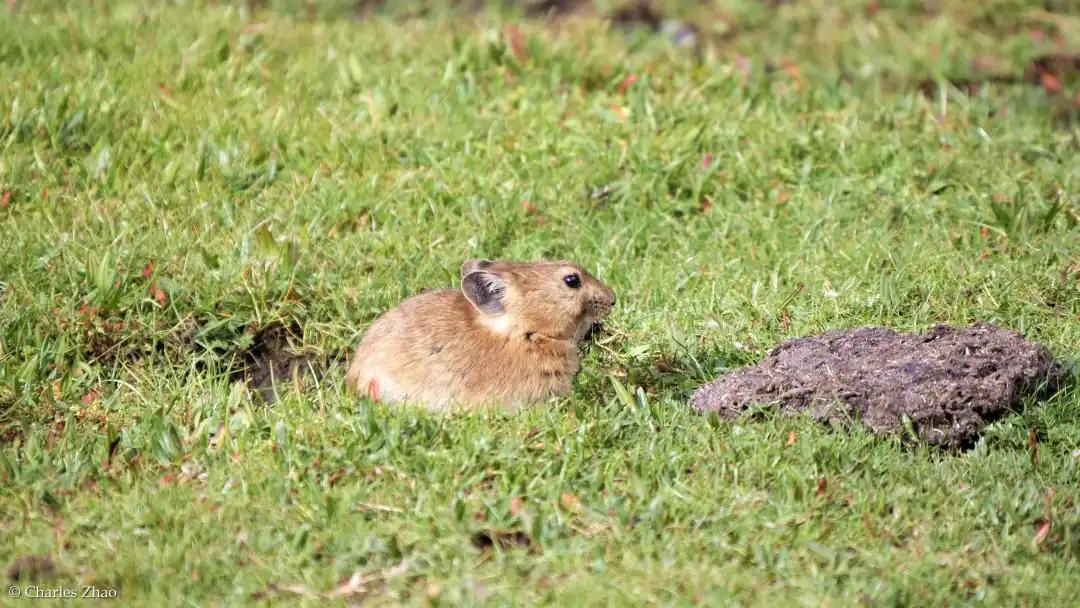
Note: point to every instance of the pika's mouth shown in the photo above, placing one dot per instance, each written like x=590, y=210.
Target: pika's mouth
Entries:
x=595, y=330
x=593, y=321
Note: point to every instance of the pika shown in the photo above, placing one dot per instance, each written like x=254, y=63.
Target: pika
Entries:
x=508, y=337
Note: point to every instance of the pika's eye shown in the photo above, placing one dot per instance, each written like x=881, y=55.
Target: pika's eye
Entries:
x=573, y=281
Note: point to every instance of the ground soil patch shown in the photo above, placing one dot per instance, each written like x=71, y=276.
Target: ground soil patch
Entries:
x=276, y=358
x=948, y=383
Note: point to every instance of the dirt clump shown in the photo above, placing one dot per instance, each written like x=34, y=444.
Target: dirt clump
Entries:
x=31, y=568
x=488, y=539
x=949, y=383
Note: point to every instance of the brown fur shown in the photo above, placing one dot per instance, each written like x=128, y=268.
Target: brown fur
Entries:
x=468, y=347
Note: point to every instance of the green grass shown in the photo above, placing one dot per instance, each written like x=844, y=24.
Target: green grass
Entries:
x=184, y=175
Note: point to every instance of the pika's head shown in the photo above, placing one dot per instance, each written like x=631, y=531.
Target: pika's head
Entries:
x=558, y=300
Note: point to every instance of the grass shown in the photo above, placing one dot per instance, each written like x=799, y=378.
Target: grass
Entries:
x=179, y=177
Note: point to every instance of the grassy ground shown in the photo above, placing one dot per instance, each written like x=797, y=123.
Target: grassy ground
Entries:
x=181, y=181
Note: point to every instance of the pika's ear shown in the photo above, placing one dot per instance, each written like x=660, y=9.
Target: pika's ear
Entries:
x=471, y=266
x=485, y=290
